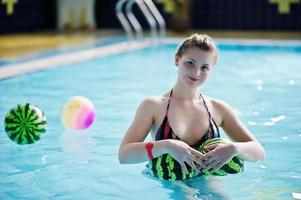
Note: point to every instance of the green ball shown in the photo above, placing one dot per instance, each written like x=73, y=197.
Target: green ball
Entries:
x=25, y=123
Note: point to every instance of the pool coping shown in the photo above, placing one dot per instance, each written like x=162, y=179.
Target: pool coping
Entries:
x=12, y=70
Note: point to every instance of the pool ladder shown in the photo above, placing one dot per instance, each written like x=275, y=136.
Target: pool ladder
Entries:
x=129, y=22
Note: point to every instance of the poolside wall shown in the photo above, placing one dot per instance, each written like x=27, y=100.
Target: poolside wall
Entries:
x=33, y=15
x=28, y=16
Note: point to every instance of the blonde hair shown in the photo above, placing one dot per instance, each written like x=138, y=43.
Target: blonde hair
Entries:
x=200, y=41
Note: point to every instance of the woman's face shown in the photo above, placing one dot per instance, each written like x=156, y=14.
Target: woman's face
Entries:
x=195, y=65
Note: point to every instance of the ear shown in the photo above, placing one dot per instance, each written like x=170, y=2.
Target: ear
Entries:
x=177, y=58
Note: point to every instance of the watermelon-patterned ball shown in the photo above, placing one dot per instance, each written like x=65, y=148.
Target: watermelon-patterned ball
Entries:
x=25, y=123
x=166, y=167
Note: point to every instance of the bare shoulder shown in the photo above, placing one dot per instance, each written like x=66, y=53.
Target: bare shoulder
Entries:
x=153, y=103
x=220, y=105
x=220, y=109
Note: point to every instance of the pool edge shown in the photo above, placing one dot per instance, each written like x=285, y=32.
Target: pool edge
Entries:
x=12, y=70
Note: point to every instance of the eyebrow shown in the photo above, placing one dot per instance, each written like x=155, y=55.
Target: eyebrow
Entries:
x=191, y=59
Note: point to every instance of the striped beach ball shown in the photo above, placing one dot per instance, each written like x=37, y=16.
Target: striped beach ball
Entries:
x=78, y=113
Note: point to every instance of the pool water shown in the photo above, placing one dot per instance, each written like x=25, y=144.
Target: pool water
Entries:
x=262, y=83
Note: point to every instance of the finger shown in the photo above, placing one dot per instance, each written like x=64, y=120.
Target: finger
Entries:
x=210, y=154
x=201, y=164
x=198, y=154
x=192, y=165
x=214, y=169
x=184, y=168
x=210, y=158
x=212, y=165
x=196, y=160
x=210, y=147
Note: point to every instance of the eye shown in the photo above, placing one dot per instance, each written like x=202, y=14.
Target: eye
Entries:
x=189, y=63
x=204, y=68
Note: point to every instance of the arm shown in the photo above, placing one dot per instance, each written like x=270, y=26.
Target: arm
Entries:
x=244, y=143
x=132, y=148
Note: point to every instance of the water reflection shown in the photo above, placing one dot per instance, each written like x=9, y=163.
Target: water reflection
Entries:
x=79, y=143
x=202, y=188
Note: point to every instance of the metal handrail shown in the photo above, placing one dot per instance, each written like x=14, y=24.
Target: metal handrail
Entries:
x=123, y=20
x=133, y=20
x=158, y=17
x=148, y=9
x=149, y=17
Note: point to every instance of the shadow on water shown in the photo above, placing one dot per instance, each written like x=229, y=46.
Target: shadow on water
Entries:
x=78, y=143
x=202, y=188
x=197, y=188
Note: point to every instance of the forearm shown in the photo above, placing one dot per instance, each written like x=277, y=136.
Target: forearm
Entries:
x=251, y=151
x=136, y=152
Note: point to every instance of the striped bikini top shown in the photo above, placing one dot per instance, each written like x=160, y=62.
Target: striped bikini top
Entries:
x=166, y=132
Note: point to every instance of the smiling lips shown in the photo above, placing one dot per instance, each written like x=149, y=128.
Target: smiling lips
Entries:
x=193, y=79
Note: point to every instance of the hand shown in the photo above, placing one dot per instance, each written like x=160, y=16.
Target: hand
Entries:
x=219, y=155
x=183, y=153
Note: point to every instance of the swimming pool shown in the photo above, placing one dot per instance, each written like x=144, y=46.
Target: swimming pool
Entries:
x=262, y=83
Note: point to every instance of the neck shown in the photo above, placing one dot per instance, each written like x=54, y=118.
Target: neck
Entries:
x=180, y=92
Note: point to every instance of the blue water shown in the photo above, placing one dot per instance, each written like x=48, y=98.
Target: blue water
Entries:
x=261, y=83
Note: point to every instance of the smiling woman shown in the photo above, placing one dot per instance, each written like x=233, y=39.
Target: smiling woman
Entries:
x=185, y=119
x=254, y=76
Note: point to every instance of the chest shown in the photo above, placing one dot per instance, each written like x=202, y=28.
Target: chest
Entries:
x=188, y=121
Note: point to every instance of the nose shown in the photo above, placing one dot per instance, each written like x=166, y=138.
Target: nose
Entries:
x=197, y=71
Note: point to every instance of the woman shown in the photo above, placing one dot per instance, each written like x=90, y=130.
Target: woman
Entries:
x=185, y=118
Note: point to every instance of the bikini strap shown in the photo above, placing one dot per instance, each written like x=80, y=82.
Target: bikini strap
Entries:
x=216, y=128
x=168, y=102
x=212, y=132
x=206, y=107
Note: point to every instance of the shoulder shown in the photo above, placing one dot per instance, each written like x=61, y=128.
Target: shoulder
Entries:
x=152, y=104
x=153, y=101
x=220, y=108
x=220, y=105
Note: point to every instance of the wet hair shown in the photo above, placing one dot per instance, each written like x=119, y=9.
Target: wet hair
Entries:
x=199, y=41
